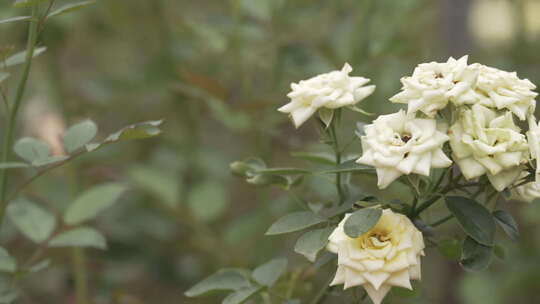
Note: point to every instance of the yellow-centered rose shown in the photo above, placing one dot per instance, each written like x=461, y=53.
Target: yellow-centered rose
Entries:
x=387, y=255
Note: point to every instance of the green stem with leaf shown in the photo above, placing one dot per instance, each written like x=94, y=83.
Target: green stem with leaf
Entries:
x=14, y=108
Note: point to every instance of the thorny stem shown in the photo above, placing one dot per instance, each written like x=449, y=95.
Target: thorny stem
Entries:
x=12, y=119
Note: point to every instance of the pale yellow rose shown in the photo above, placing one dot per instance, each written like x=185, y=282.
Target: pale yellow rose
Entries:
x=399, y=144
x=387, y=255
x=331, y=90
x=486, y=142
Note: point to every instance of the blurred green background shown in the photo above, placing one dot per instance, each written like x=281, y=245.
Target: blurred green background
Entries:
x=216, y=71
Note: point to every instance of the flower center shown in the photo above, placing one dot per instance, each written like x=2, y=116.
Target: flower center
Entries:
x=374, y=239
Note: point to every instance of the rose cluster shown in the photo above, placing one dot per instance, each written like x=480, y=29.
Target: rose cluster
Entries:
x=470, y=115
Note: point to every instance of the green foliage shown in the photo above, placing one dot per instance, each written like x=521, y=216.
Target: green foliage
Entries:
x=475, y=256
x=227, y=279
x=267, y=274
x=311, y=242
x=14, y=19
x=4, y=76
x=70, y=7
x=323, y=158
x=79, y=135
x=7, y=262
x=242, y=295
x=31, y=149
x=208, y=201
x=26, y=3
x=33, y=221
x=361, y=221
x=79, y=237
x=507, y=223
x=451, y=249
x=326, y=116
x=158, y=182
x=474, y=218
x=294, y=222
x=20, y=58
x=93, y=201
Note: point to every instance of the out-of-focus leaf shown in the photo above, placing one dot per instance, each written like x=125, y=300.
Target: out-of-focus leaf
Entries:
x=361, y=221
x=267, y=274
x=260, y=9
x=499, y=251
x=242, y=295
x=3, y=76
x=136, y=131
x=221, y=280
x=26, y=3
x=161, y=184
x=34, y=222
x=8, y=297
x=80, y=237
x=39, y=266
x=282, y=171
x=475, y=256
x=15, y=19
x=12, y=165
x=474, y=218
x=79, y=135
x=311, y=242
x=323, y=158
x=450, y=249
x=93, y=201
x=208, y=201
x=7, y=262
x=349, y=167
x=68, y=8
x=20, y=57
x=49, y=160
x=31, y=149
x=294, y=221
x=507, y=223
x=266, y=179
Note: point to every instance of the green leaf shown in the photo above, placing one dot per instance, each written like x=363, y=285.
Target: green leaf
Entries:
x=93, y=201
x=359, y=110
x=26, y=3
x=3, y=76
x=294, y=221
x=349, y=167
x=13, y=165
x=163, y=185
x=282, y=171
x=475, y=256
x=499, y=251
x=20, y=57
x=474, y=218
x=141, y=130
x=326, y=115
x=15, y=19
x=450, y=249
x=221, y=280
x=49, y=160
x=31, y=149
x=7, y=262
x=39, y=266
x=266, y=179
x=208, y=201
x=323, y=158
x=34, y=222
x=311, y=242
x=79, y=135
x=80, y=237
x=267, y=274
x=70, y=8
x=242, y=295
x=361, y=221
x=507, y=223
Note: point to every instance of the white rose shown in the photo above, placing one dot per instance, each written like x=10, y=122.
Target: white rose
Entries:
x=434, y=84
x=330, y=90
x=533, y=136
x=397, y=144
x=484, y=142
x=387, y=255
x=504, y=90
